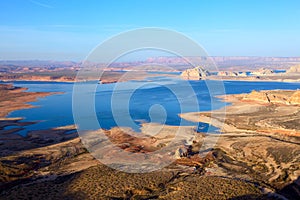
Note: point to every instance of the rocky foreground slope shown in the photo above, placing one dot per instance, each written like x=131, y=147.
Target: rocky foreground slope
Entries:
x=260, y=138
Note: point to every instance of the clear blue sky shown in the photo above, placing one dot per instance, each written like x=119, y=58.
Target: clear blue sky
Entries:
x=68, y=30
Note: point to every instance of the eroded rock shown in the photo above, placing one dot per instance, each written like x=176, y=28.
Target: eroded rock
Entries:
x=197, y=73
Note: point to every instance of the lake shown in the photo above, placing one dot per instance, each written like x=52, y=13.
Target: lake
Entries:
x=151, y=101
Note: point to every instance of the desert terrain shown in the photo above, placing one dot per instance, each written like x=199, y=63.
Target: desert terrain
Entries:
x=260, y=138
x=256, y=155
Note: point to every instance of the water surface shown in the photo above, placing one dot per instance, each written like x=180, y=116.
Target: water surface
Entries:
x=152, y=102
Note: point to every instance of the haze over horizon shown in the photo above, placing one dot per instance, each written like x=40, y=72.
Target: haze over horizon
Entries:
x=58, y=30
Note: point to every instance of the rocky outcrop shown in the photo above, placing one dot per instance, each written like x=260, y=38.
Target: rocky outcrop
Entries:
x=232, y=74
x=275, y=97
x=257, y=96
x=180, y=152
x=197, y=73
x=293, y=69
x=263, y=71
x=242, y=74
x=227, y=73
x=295, y=98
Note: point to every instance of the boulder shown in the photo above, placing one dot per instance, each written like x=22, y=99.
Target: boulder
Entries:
x=180, y=152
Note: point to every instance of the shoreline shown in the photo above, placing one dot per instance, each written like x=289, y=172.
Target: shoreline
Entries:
x=19, y=97
x=51, y=155
x=259, y=78
x=124, y=76
x=14, y=98
x=243, y=101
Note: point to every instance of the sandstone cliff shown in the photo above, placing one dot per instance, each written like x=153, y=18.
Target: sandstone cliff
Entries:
x=197, y=73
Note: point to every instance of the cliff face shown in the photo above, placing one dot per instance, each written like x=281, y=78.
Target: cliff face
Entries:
x=197, y=73
x=284, y=97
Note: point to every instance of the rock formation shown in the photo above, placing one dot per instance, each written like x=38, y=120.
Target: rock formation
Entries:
x=257, y=96
x=197, y=73
x=286, y=97
x=179, y=153
x=228, y=73
x=295, y=98
x=242, y=74
x=294, y=69
x=263, y=71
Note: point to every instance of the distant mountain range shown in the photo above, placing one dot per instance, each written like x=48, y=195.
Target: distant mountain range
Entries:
x=178, y=63
x=232, y=61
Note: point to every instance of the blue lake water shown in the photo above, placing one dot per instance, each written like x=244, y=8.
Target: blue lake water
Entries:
x=56, y=110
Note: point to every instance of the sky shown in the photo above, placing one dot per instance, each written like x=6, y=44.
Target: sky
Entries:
x=69, y=30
